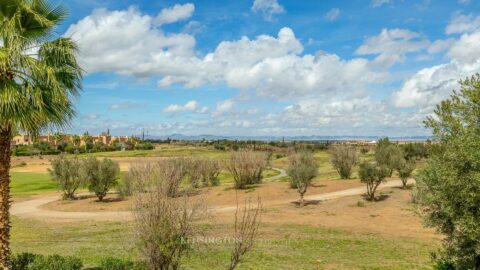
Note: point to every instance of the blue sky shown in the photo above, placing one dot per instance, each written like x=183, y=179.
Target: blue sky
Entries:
x=269, y=67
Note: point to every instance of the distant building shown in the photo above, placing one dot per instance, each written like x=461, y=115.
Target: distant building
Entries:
x=53, y=139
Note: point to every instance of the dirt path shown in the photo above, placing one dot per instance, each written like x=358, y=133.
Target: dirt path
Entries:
x=282, y=174
x=33, y=208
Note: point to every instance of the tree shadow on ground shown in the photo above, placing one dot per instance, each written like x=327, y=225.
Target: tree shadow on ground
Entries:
x=307, y=202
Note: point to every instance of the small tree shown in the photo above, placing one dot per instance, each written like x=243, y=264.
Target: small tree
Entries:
x=163, y=225
x=372, y=175
x=66, y=172
x=246, y=167
x=343, y=159
x=100, y=175
x=389, y=155
x=302, y=168
x=405, y=169
x=246, y=230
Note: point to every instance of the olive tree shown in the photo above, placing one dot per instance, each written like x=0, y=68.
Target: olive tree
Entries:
x=373, y=175
x=66, y=172
x=343, y=159
x=405, y=169
x=388, y=154
x=100, y=175
x=448, y=187
x=302, y=168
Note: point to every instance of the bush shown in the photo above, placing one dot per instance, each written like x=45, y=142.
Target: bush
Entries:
x=372, y=175
x=66, y=172
x=28, y=261
x=209, y=171
x=343, y=159
x=405, y=169
x=302, y=168
x=100, y=175
x=246, y=167
x=388, y=155
x=144, y=146
x=163, y=225
x=121, y=264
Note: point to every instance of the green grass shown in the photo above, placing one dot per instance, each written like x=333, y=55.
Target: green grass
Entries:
x=27, y=184
x=166, y=151
x=292, y=247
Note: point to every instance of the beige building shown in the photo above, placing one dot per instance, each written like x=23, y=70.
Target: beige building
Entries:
x=28, y=140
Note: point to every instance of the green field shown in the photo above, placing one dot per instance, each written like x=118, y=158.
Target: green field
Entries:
x=291, y=247
x=27, y=184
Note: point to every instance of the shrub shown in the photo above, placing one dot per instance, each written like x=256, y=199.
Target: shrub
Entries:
x=372, y=175
x=193, y=173
x=66, y=172
x=100, y=175
x=28, y=261
x=246, y=167
x=405, y=169
x=144, y=146
x=209, y=170
x=121, y=264
x=343, y=159
x=302, y=168
x=163, y=225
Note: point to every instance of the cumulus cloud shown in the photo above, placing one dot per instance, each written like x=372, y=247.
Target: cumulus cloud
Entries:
x=176, y=13
x=332, y=14
x=391, y=46
x=190, y=106
x=128, y=43
x=268, y=8
x=440, y=45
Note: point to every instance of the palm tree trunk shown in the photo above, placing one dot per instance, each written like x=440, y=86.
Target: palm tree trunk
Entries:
x=5, y=140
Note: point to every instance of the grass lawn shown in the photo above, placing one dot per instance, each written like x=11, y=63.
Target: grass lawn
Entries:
x=279, y=246
x=27, y=184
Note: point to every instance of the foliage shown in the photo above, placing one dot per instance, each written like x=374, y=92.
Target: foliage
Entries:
x=302, y=168
x=163, y=225
x=448, y=187
x=100, y=175
x=343, y=159
x=405, y=169
x=388, y=154
x=246, y=166
x=144, y=146
x=415, y=150
x=209, y=171
x=28, y=261
x=373, y=175
x=121, y=264
x=66, y=172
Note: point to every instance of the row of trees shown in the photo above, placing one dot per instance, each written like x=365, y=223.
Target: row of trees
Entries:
x=74, y=173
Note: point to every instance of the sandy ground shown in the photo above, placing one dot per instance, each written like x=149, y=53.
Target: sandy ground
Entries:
x=333, y=204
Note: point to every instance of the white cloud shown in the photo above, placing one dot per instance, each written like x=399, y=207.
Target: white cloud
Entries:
x=464, y=2
x=440, y=45
x=126, y=105
x=466, y=49
x=462, y=23
x=128, y=43
x=332, y=14
x=190, y=106
x=391, y=46
x=225, y=106
x=268, y=8
x=379, y=3
x=176, y=13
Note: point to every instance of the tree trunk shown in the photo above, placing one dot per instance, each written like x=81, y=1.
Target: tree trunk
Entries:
x=5, y=140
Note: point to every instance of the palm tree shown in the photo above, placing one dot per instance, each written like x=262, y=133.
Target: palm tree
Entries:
x=39, y=79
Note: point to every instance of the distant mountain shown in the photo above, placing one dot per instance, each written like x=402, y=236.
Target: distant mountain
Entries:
x=210, y=137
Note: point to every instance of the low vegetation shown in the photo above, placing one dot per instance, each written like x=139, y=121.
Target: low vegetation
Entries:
x=66, y=172
x=302, y=168
x=344, y=158
x=246, y=167
x=372, y=175
x=100, y=175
